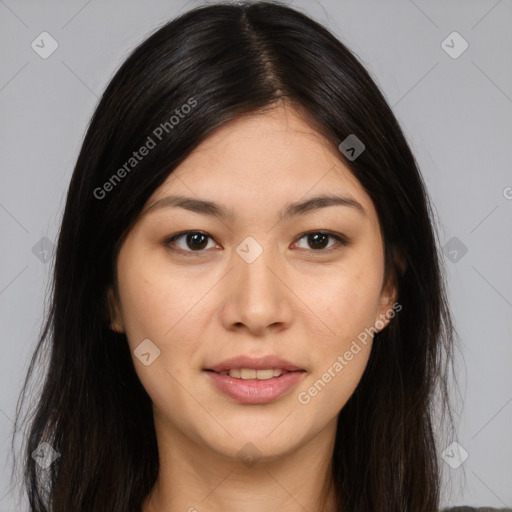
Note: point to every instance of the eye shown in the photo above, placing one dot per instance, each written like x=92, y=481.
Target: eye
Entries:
x=192, y=242
x=318, y=241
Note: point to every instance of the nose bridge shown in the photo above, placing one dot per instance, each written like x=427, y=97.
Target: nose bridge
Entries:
x=253, y=262
x=258, y=297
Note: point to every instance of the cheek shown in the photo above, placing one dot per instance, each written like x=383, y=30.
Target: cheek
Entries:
x=346, y=300
x=162, y=308
x=156, y=309
x=152, y=302
x=335, y=378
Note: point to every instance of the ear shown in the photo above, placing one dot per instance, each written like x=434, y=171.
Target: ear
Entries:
x=386, y=310
x=387, y=304
x=114, y=311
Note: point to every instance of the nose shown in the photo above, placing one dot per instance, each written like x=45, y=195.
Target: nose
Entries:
x=257, y=297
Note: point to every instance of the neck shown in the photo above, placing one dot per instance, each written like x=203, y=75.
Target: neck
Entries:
x=194, y=478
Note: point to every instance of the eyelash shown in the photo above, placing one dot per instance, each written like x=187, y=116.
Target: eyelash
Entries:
x=343, y=241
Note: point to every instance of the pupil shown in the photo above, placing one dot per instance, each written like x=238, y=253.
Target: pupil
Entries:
x=196, y=241
x=319, y=240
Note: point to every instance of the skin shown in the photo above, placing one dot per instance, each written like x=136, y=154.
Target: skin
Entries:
x=293, y=301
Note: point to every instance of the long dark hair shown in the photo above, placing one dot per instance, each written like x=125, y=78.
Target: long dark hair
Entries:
x=223, y=61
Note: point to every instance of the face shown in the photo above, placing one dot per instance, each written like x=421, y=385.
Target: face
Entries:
x=254, y=276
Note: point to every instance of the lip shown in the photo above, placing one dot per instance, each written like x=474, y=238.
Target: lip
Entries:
x=253, y=391
x=255, y=363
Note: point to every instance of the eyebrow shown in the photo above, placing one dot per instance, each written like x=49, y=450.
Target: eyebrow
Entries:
x=211, y=208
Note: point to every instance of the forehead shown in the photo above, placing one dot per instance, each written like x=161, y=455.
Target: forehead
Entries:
x=271, y=141
x=263, y=160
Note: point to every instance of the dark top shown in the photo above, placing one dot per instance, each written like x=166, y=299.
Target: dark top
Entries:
x=476, y=509
x=463, y=509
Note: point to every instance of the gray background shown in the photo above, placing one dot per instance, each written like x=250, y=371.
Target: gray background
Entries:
x=456, y=114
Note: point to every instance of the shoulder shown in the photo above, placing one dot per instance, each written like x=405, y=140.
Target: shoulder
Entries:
x=476, y=509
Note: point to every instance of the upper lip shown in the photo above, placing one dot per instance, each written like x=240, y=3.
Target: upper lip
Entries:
x=255, y=363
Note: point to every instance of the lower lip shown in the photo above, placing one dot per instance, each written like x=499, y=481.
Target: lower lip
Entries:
x=255, y=391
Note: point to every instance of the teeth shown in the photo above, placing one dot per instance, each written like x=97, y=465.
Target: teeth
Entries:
x=249, y=373
x=246, y=373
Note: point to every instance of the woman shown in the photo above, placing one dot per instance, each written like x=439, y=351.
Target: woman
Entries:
x=248, y=307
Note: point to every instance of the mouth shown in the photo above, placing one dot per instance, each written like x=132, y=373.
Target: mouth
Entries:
x=254, y=374
x=255, y=380
x=249, y=386
x=247, y=367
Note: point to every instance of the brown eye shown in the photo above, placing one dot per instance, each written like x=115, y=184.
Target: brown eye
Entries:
x=319, y=240
x=194, y=241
